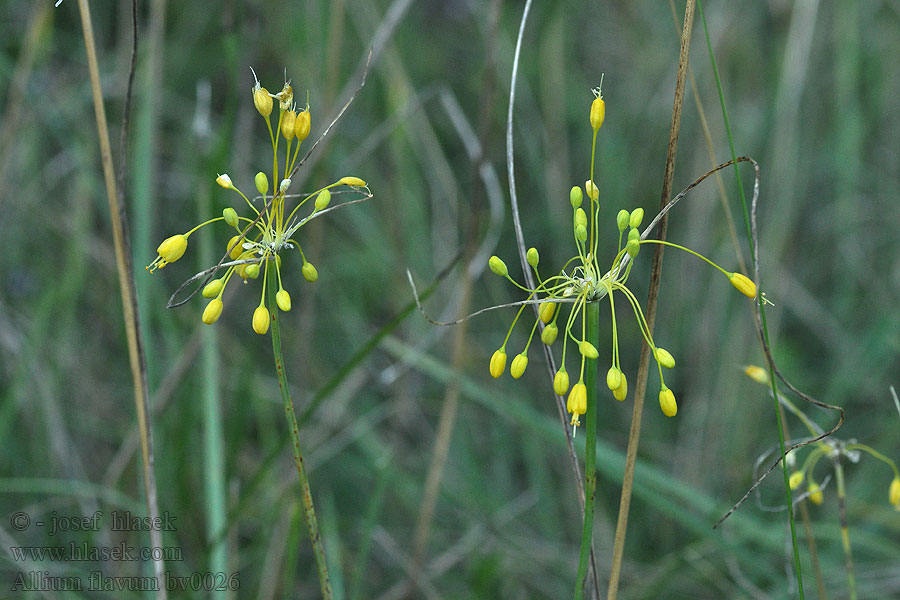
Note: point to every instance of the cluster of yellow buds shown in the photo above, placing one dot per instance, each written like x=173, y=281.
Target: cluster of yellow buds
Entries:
x=258, y=242
x=584, y=282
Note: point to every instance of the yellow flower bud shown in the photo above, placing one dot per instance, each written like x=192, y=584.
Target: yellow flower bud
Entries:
x=262, y=100
x=354, y=181
x=212, y=312
x=894, y=493
x=261, y=318
x=575, y=196
x=212, y=289
x=815, y=493
x=621, y=392
x=498, y=266
x=518, y=365
x=287, y=124
x=743, y=284
x=664, y=358
x=231, y=216
x=252, y=271
x=667, y=402
x=587, y=349
x=323, y=199
x=498, y=363
x=561, y=383
x=622, y=220
x=172, y=248
x=632, y=248
x=532, y=257
x=796, y=479
x=262, y=183
x=613, y=378
x=757, y=374
x=577, y=401
x=637, y=215
x=235, y=247
x=302, y=125
x=580, y=233
x=547, y=311
x=580, y=217
x=309, y=272
x=591, y=189
x=548, y=335
x=283, y=300
x=225, y=181
x=598, y=113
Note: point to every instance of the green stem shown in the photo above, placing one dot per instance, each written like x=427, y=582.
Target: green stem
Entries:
x=845, y=530
x=592, y=316
x=761, y=306
x=312, y=524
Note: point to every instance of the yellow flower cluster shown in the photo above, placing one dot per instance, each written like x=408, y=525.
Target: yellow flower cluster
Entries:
x=258, y=242
x=581, y=281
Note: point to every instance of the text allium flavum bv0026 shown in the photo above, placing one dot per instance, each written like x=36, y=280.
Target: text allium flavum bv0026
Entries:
x=271, y=229
x=582, y=280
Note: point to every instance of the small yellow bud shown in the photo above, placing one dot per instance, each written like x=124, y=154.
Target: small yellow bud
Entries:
x=815, y=493
x=894, y=493
x=664, y=358
x=575, y=196
x=796, y=479
x=621, y=392
x=302, y=125
x=231, y=216
x=580, y=233
x=518, y=365
x=261, y=318
x=323, y=199
x=547, y=311
x=613, y=378
x=532, y=257
x=637, y=215
x=577, y=401
x=172, y=248
x=498, y=266
x=632, y=248
x=622, y=220
x=225, y=181
x=498, y=363
x=757, y=374
x=252, y=271
x=212, y=289
x=262, y=100
x=587, y=349
x=561, y=383
x=212, y=312
x=309, y=272
x=234, y=247
x=580, y=217
x=667, y=402
x=743, y=284
x=354, y=181
x=283, y=300
x=598, y=113
x=592, y=191
x=262, y=183
x=548, y=335
x=634, y=234
x=287, y=124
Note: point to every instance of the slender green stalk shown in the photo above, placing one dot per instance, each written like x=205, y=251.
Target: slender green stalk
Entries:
x=760, y=303
x=592, y=316
x=845, y=530
x=312, y=524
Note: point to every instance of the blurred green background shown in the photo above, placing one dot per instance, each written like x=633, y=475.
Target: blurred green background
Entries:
x=812, y=93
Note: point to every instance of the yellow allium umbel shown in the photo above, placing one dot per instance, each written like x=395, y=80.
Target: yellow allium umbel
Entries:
x=271, y=229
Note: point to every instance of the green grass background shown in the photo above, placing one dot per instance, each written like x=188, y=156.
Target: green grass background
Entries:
x=812, y=93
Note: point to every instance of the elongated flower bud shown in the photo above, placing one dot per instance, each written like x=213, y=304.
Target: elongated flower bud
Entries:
x=283, y=300
x=518, y=365
x=261, y=318
x=231, y=216
x=757, y=374
x=323, y=199
x=796, y=479
x=621, y=392
x=302, y=125
x=234, y=247
x=287, y=124
x=225, y=181
x=575, y=196
x=548, y=335
x=613, y=378
x=598, y=113
x=252, y=271
x=498, y=266
x=532, y=257
x=622, y=220
x=636, y=217
x=815, y=493
x=743, y=284
x=262, y=183
x=262, y=100
x=592, y=191
x=547, y=311
x=664, y=358
x=309, y=272
x=212, y=312
x=561, y=383
x=212, y=289
x=498, y=363
x=587, y=349
x=354, y=181
x=667, y=402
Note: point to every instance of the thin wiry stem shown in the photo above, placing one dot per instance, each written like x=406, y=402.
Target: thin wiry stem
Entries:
x=129, y=300
x=520, y=242
x=653, y=294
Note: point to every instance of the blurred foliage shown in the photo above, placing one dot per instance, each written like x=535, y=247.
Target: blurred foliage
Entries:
x=812, y=92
